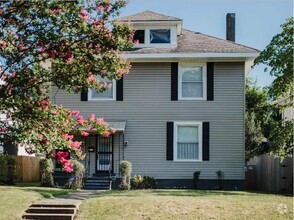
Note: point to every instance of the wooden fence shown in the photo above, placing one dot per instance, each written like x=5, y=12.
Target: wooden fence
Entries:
x=269, y=174
x=27, y=168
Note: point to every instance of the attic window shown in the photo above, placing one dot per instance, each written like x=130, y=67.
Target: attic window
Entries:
x=161, y=36
x=140, y=36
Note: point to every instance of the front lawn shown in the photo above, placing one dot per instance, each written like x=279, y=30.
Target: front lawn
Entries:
x=14, y=200
x=185, y=205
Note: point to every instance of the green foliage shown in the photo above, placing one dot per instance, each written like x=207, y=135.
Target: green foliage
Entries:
x=7, y=169
x=78, y=175
x=196, y=177
x=278, y=55
x=220, y=177
x=144, y=182
x=137, y=183
x=263, y=123
x=46, y=168
x=62, y=43
x=125, y=170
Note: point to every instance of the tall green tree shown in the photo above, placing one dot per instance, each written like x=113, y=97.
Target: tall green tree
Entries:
x=81, y=43
x=278, y=56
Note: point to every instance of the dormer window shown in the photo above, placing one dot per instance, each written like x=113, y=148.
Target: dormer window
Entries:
x=157, y=36
x=140, y=36
x=160, y=36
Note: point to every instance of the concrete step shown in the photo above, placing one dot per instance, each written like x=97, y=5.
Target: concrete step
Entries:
x=48, y=216
x=94, y=187
x=96, y=181
x=53, y=210
x=53, y=205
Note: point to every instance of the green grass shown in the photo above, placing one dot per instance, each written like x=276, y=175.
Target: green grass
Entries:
x=185, y=205
x=14, y=200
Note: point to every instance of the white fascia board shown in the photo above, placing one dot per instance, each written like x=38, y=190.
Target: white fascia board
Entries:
x=189, y=55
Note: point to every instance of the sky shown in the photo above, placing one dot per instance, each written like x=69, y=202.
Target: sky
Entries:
x=257, y=21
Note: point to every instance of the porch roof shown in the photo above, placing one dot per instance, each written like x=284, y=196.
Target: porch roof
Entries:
x=119, y=126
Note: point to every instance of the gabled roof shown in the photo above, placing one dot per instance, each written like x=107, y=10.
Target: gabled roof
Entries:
x=195, y=42
x=148, y=16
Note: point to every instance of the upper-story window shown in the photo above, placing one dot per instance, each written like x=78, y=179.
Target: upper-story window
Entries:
x=140, y=36
x=106, y=95
x=156, y=36
x=161, y=36
x=192, y=82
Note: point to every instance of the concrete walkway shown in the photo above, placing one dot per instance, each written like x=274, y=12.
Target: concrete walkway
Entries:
x=61, y=207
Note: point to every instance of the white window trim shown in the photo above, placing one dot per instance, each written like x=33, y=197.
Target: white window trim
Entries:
x=204, y=80
x=104, y=99
x=173, y=37
x=191, y=123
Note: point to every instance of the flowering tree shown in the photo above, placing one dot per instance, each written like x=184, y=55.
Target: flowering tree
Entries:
x=80, y=43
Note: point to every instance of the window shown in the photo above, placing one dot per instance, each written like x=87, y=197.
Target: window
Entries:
x=192, y=82
x=140, y=36
x=161, y=36
x=188, y=141
x=106, y=95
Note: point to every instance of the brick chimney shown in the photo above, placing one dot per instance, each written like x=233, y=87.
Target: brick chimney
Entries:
x=231, y=26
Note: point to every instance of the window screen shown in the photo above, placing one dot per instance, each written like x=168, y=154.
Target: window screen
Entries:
x=161, y=36
x=140, y=36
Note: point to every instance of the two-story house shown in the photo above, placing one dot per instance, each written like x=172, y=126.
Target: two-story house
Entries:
x=179, y=110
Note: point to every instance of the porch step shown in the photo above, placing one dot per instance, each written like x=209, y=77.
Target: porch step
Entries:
x=53, y=205
x=97, y=183
x=48, y=216
x=51, y=210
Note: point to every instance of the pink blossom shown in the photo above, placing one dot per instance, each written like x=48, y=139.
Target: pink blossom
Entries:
x=85, y=134
x=108, y=8
x=68, y=167
x=3, y=129
x=100, y=121
x=52, y=54
x=62, y=154
x=90, y=128
x=84, y=14
x=75, y=113
x=2, y=44
x=22, y=47
x=106, y=134
x=65, y=123
x=15, y=36
x=92, y=79
x=75, y=144
x=136, y=42
x=42, y=50
x=92, y=117
x=55, y=11
x=103, y=71
x=43, y=91
x=67, y=136
x=68, y=57
x=80, y=120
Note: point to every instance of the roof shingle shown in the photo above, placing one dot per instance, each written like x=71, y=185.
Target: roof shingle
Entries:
x=148, y=16
x=195, y=42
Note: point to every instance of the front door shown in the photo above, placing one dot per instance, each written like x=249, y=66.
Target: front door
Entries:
x=104, y=155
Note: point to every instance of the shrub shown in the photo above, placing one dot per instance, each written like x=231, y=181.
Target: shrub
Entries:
x=7, y=169
x=149, y=182
x=125, y=170
x=46, y=166
x=138, y=182
x=220, y=175
x=78, y=175
x=196, y=176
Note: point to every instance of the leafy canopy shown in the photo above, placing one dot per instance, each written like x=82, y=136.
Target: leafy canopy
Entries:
x=79, y=42
x=278, y=55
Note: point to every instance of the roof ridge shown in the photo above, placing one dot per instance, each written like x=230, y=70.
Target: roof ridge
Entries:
x=228, y=41
x=150, y=12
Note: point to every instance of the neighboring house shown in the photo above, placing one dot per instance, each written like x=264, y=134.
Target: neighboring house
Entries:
x=179, y=110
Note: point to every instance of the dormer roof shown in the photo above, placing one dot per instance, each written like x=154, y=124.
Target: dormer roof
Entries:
x=148, y=16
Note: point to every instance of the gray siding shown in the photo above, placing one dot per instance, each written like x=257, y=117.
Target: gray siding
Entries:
x=147, y=108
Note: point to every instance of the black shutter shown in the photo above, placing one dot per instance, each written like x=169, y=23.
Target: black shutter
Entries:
x=120, y=90
x=174, y=81
x=169, y=141
x=84, y=95
x=205, y=141
x=210, y=75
